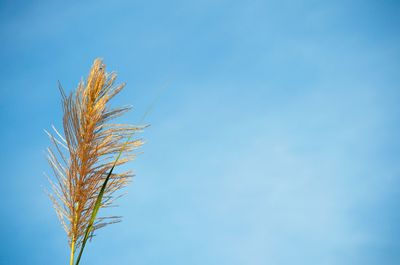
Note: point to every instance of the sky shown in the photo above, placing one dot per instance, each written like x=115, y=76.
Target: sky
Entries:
x=274, y=136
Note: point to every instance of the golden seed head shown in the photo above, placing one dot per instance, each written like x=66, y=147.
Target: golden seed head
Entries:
x=82, y=158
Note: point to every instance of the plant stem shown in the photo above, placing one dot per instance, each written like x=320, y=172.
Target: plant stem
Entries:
x=71, y=259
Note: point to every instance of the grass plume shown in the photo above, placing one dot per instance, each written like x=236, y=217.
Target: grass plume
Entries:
x=83, y=158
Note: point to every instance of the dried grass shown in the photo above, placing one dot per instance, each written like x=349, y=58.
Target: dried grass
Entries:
x=84, y=156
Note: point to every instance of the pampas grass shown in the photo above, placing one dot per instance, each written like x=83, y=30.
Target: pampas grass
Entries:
x=84, y=156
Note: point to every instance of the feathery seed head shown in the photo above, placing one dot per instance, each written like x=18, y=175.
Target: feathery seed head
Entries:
x=82, y=158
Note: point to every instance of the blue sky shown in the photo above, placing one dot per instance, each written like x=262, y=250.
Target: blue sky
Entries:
x=276, y=140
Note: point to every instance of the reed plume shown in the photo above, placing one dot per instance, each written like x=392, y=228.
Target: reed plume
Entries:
x=83, y=158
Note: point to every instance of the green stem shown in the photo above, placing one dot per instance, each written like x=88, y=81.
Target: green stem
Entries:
x=96, y=209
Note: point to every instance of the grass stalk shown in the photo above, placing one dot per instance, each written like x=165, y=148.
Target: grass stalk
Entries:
x=71, y=258
x=83, y=180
